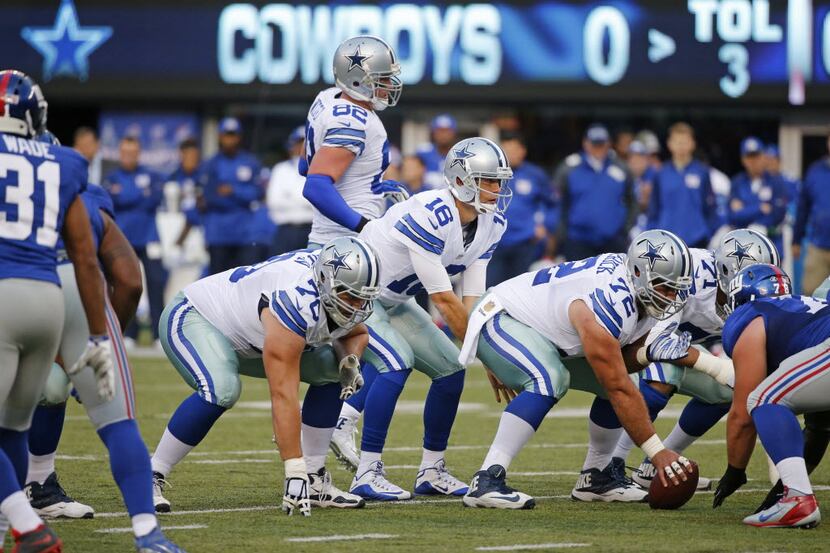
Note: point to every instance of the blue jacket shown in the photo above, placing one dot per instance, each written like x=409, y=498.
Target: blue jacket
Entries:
x=190, y=185
x=434, y=165
x=532, y=201
x=772, y=190
x=682, y=202
x=136, y=196
x=814, y=205
x=595, y=206
x=228, y=220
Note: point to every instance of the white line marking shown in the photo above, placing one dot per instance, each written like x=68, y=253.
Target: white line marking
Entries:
x=342, y=538
x=127, y=530
x=547, y=473
x=533, y=546
x=231, y=461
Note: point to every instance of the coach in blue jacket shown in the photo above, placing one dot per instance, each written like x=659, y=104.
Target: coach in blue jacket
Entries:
x=813, y=221
x=232, y=189
x=596, y=199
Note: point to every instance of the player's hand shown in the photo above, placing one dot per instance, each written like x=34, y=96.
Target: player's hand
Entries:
x=766, y=208
x=671, y=467
x=351, y=381
x=393, y=191
x=668, y=346
x=98, y=356
x=729, y=483
x=295, y=498
x=224, y=190
x=775, y=494
x=499, y=389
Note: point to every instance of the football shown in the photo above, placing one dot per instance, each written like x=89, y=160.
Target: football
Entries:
x=673, y=497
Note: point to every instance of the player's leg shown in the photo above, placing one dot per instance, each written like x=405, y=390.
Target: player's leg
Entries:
x=207, y=362
x=523, y=360
x=343, y=440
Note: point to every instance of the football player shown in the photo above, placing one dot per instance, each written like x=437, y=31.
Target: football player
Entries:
x=421, y=243
x=563, y=327
x=285, y=319
x=780, y=345
x=40, y=202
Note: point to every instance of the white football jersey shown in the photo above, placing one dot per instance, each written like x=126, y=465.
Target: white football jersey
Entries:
x=541, y=299
x=231, y=301
x=428, y=223
x=337, y=123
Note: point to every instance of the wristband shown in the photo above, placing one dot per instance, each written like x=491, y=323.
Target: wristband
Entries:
x=295, y=468
x=652, y=446
x=722, y=370
x=361, y=224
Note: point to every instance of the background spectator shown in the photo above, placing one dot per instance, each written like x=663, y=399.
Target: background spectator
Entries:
x=85, y=142
x=289, y=210
x=443, y=133
x=188, y=178
x=622, y=142
x=413, y=172
x=813, y=221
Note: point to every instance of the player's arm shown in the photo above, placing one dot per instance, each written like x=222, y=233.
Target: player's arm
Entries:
x=327, y=167
x=122, y=269
x=80, y=247
x=353, y=343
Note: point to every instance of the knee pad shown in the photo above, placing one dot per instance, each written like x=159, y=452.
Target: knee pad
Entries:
x=226, y=391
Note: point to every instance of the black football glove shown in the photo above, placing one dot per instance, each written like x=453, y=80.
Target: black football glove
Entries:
x=731, y=480
x=774, y=495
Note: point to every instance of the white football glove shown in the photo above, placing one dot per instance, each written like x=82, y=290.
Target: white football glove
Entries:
x=98, y=356
x=351, y=381
x=668, y=346
x=295, y=496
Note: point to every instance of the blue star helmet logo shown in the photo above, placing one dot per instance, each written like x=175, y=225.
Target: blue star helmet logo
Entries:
x=65, y=46
x=337, y=262
x=652, y=254
x=356, y=60
x=460, y=156
x=741, y=252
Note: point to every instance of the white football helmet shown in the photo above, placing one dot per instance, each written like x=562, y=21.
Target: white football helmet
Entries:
x=474, y=159
x=363, y=65
x=658, y=257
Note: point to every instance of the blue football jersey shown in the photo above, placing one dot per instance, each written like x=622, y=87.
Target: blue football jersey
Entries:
x=792, y=324
x=95, y=199
x=38, y=183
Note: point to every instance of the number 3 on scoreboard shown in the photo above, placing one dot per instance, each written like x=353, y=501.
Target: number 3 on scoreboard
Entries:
x=736, y=82
x=21, y=195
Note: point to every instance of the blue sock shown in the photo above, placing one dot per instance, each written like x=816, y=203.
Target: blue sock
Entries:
x=531, y=407
x=358, y=401
x=655, y=400
x=193, y=419
x=779, y=431
x=602, y=414
x=47, y=426
x=321, y=405
x=15, y=446
x=380, y=406
x=440, y=410
x=698, y=417
x=130, y=465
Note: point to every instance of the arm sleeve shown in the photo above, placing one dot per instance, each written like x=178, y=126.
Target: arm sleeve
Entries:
x=431, y=273
x=320, y=191
x=475, y=279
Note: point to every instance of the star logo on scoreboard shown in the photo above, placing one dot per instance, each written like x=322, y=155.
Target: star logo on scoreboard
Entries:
x=337, y=262
x=66, y=45
x=652, y=254
x=356, y=60
x=460, y=156
x=741, y=252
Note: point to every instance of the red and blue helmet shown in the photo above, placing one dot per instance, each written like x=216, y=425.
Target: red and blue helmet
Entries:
x=762, y=280
x=22, y=105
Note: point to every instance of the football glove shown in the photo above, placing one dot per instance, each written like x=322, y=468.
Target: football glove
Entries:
x=729, y=483
x=98, y=356
x=295, y=497
x=350, y=378
x=393, y=191
x=668, y=346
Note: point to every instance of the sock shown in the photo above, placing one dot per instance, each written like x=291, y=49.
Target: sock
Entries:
x=624, y=446
x=315, y=443
x=793, y=474
x=779, y=431
x=143, y=524
x=40, y=467
x=349, y=413
x=45, y=433
x=678, y=440
x=366, y=460
x=19, y=512
x=187, y=427
x=440, y=409
x=604, y=431
x=130, y=465
x=518, y=423
x=429, y=458
x=15, y=446
x=698, y=417
x=655, y=401
x=380, y=406
x=169, y=451
x=358, y=401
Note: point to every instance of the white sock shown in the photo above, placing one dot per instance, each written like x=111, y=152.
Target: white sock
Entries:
x=678, y=440
x=40, y=467
x=21, y=516
x=349, y=413
x=601, y=444
x=315, y=446
x=366, y=460
x=429, y=458
x=624, y=446
x=168, y=453
x=143, y=524
x=793, y=473
x=512, y=435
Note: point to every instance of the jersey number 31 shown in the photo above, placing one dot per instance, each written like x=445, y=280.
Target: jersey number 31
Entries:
x=48, y=172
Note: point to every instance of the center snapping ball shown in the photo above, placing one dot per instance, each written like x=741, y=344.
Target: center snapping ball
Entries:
x=673, y=497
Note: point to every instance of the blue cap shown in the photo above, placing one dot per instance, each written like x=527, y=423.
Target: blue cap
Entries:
x=597, y=134
x=230, y=125
x=637, y=147
x=751, y=146
x=772, y=151
x=443, y=121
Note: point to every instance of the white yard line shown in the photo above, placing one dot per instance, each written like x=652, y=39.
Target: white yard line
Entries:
x=342, y=538
x=532, y=546
x=127, y=530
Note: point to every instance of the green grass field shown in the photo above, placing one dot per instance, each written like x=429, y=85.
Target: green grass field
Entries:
x=225, y=494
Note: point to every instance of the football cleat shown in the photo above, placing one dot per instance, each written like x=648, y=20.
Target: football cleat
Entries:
x=437, y=480
x=40, y=540
x=343, y=443
x=49, y=500
x=643, y=475
x=323, y=493
x=607, y=485
x=159, y=502
x=799, y=511
x=156, y=542
x=489, y=490
x=373, y=484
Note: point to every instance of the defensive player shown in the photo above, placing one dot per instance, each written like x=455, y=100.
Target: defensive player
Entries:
x=780, y=345
x=421, y=243
x=563, y=327
x=40, y=201
x=285, y=319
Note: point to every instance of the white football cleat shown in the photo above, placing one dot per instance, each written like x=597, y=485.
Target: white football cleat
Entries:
x=323, y=493
x=373, y=484
x=159, y=502
x=49, y=500
x=607, y=486
x=437, y=480
x=798, y=511
x=490, y=490
x=343, y=442
x=646, y=472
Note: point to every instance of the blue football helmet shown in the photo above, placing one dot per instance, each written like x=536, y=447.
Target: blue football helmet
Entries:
x=48, y=137
x=22, y=105
x=757, y=281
